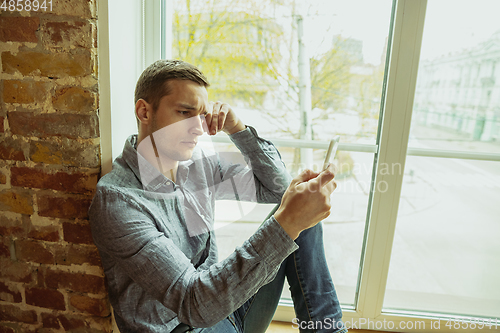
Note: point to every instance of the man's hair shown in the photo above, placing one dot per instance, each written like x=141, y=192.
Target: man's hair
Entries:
x=153, y=82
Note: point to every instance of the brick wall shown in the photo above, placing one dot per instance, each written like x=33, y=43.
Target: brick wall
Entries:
x=50, y=277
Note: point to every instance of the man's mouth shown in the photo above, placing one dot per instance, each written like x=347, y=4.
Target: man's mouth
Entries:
x=190, y=144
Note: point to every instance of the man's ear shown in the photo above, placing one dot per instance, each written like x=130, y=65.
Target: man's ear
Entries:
x=143, y=112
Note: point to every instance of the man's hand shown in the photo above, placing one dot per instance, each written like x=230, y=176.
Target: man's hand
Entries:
x=306, y=201
x=221, y=117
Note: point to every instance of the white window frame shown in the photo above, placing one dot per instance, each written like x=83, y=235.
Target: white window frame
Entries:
x=391, y=149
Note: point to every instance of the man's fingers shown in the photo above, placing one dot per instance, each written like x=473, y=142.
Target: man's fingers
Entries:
x=208, y=122
x=330, y=187
x=326, y=176
x=222, y=116
x=208, y=116
x=304, y=176
x=215, y=118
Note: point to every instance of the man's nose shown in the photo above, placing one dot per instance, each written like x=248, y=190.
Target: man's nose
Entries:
x=198, y=125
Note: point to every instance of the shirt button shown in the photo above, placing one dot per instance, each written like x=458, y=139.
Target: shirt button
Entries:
x=168, y=183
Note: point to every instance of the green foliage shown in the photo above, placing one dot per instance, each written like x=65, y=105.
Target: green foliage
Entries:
x=330, y=76
x=232, y=43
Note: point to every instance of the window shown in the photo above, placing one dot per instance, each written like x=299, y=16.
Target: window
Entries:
x=256, y=55
x=408, y=243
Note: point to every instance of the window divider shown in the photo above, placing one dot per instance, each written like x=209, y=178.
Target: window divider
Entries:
x=424, y=152
x=152, y=32
x=297, y=143
x=393, y=145
x=104, y=87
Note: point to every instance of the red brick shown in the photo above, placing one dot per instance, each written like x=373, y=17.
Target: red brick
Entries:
x=15, y=271
x=68, y=322
x=77, y=233
x=53, y=65
x=47, y=152
x=45, y=298
x=5, y=245
x=15, y=314
x=24, y=91
x=76, y=182
x=10, y=293
x=50, y=321
x=71, y=322
x=19, y=29
x=68, y=207
x=84, y=283
x=73, y=99
x=77, y=255
x=17, y=201
x=48, y=233
x=4, y=250
x=5, y=329
x=67, y=35
x=53, y=124
x=14, y=226
x=11, y=149
x=33, y=251
x=81, y=9
x=67, y=152
x=25, y=328
x=93, y=306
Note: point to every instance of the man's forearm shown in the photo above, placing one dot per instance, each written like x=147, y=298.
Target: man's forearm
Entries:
x=266, y=164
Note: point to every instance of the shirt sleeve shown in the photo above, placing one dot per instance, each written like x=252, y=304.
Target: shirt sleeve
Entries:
x=126, y=232
x=263, y=178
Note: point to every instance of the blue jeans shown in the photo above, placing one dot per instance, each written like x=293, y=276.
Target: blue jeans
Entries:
x=315, y=300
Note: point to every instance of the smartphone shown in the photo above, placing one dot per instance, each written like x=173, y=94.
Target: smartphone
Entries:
x=331, y=152
x=330, y=155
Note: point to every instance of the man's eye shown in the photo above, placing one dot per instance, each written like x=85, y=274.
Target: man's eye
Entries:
x=184, y=112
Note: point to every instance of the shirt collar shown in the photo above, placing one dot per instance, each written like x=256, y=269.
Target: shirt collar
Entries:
x=150, y=177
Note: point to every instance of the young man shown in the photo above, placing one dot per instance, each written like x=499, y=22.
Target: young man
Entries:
x=152, y=221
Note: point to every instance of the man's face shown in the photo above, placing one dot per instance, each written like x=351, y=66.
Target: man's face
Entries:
x=179, y=120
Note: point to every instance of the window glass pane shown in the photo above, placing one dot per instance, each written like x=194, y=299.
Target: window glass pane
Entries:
x=457, y=99
x=249, y=51
x=446, y=253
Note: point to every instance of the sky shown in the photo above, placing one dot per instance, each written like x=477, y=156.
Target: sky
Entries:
x=450, y=25
x=365, y=20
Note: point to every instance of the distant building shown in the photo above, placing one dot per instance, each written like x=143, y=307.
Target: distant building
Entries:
x=353, y=47
x=461, y=91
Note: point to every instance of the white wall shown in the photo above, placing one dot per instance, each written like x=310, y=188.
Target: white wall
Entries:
x=126, y=65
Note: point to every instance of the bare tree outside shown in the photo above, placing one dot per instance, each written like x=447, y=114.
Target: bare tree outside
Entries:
x=249, y=50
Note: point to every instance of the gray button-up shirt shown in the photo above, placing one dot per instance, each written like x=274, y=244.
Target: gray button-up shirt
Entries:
x=156, y=238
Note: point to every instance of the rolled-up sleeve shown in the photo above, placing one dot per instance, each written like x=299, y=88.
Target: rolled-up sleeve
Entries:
x=125, y=232
x=265, y=166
